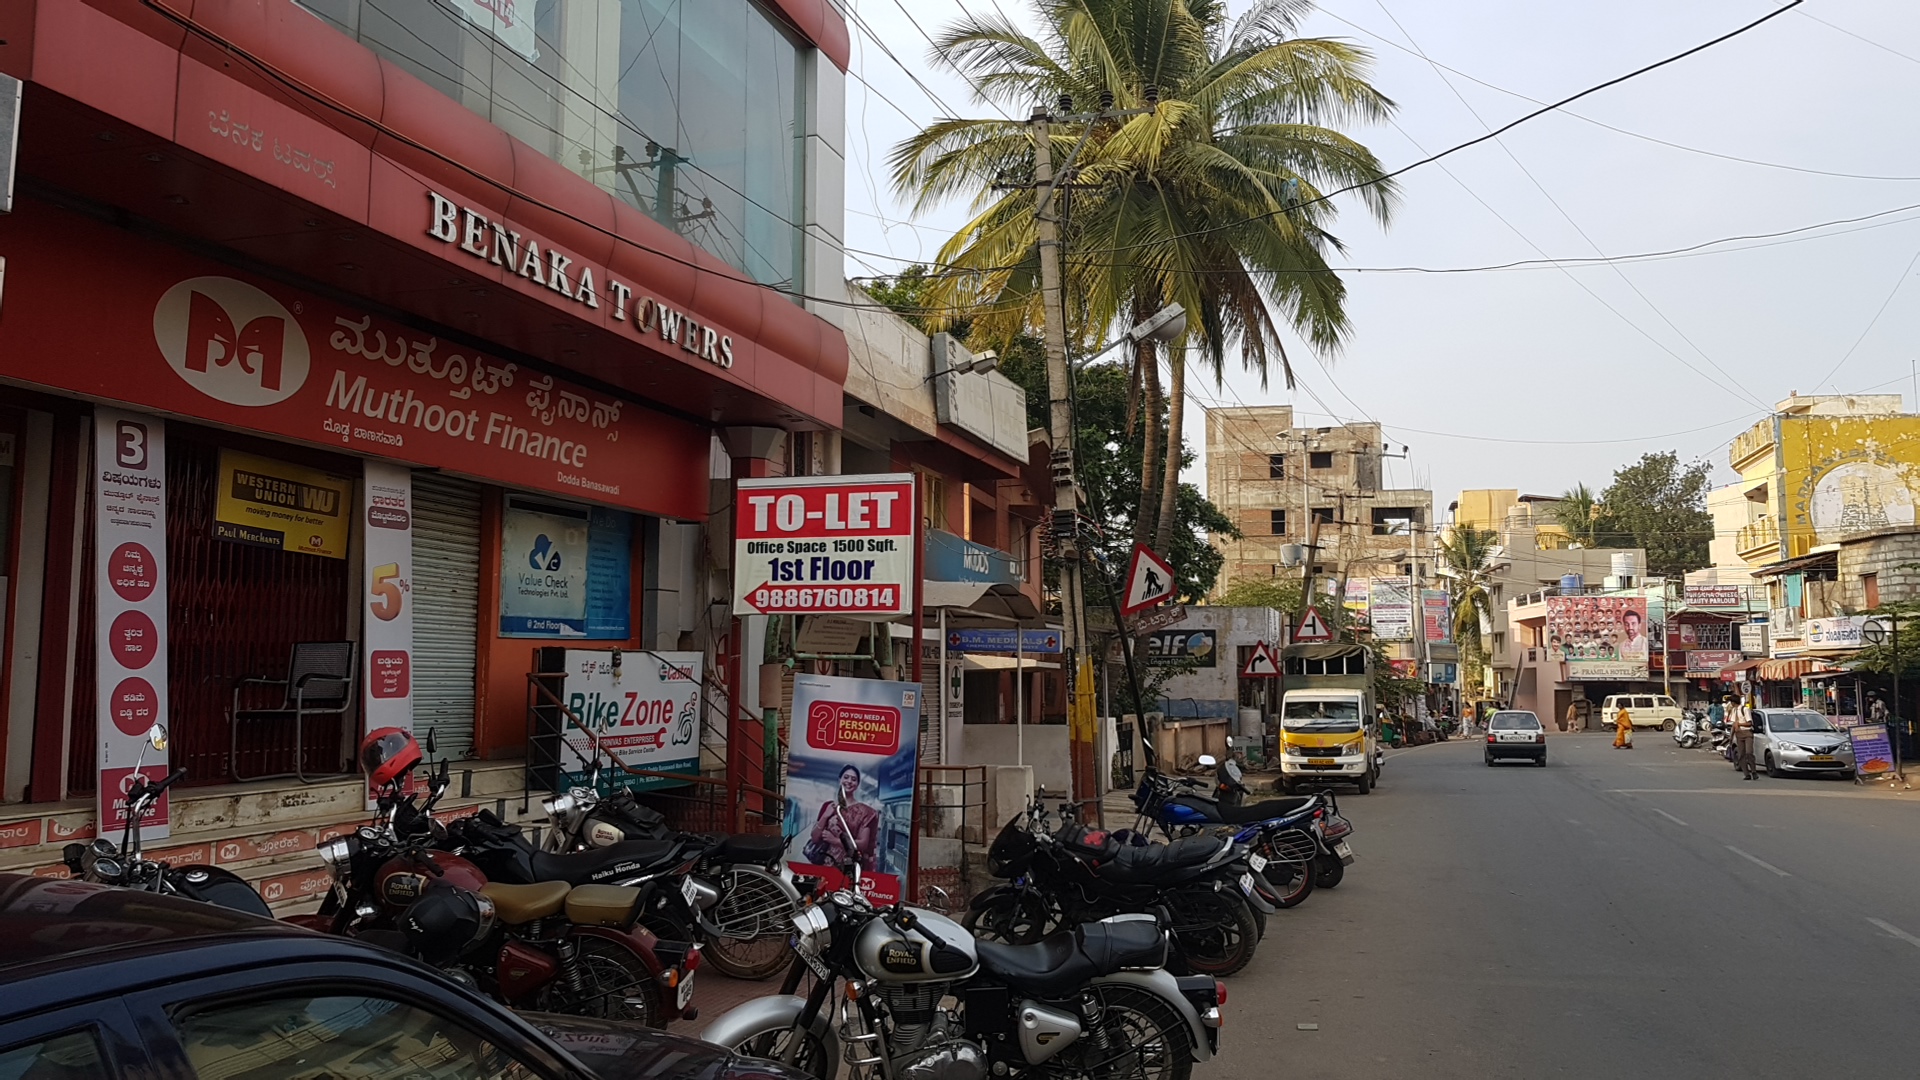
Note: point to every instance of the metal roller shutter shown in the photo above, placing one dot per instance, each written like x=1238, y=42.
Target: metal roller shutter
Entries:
x=446, y=581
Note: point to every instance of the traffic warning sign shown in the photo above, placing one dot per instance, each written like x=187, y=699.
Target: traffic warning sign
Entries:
x=1312, y=628
x=1260, y=664
x=1149, y=581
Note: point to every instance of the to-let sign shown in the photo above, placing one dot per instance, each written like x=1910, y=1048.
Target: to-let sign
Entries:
x=825, y=545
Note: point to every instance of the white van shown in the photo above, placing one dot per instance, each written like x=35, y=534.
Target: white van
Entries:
x=1646, y=710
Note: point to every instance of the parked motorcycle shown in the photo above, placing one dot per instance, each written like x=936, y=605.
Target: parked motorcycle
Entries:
x=106, y=863
x=1278, y=832
x=1691, y=732
x=741, y=898
x=552, y=947
x=1081, y=875
x=903, y=993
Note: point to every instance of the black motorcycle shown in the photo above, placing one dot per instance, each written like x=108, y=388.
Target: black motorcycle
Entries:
x=105, y=863
x=1059, y=879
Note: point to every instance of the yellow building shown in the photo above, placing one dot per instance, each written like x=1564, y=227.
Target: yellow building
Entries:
x=1818, y=469
x=1493, y=508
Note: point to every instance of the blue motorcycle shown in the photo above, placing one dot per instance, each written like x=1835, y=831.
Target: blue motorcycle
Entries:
x=1299, y=841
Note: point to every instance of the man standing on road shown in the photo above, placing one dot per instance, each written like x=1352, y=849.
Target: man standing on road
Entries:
x=1623, y=729
x=1743, y=738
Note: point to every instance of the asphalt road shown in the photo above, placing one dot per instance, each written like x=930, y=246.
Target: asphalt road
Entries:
x=1617, y=914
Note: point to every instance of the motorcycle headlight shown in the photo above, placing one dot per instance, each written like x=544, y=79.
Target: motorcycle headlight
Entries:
x=811, y=928
x=335, y=855
x=559, y=805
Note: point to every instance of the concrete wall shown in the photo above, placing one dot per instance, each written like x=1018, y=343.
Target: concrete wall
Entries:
x=1894, y=560
x=1041, y=746
x=1215, y=691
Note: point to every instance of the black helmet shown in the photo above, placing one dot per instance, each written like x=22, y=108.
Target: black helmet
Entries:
x=445, y=923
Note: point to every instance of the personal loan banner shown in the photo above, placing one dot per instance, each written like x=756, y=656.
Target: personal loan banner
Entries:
x=642, y=707
x=130, y=620
x=1599, y=637
x=281, y=505
x=855, y=740
x=825, y=545
x=386, y=630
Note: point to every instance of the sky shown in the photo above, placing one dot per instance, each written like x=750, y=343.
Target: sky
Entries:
x=1541, y=378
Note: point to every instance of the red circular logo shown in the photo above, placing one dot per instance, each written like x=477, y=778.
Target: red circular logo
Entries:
x=134, y=640
x=133, y=572
x=134, y=706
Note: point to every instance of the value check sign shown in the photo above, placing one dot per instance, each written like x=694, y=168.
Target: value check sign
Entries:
x=836, y=545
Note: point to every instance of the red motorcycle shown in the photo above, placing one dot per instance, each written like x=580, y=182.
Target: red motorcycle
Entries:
x=551, y=947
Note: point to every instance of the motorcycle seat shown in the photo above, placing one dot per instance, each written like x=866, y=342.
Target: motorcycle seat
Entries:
x=1266, y=810
x=1064, y=961
x=603, y=864
x=1155, y=862
x=752, y=850
x=516, y=904
x=603, y=905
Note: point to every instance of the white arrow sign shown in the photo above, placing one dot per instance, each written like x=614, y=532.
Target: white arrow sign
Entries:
x=1149, y=581
x=1312, y=628
x=1260, y=663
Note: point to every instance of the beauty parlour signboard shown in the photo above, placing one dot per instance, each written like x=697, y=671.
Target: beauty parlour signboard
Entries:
x=104, y=313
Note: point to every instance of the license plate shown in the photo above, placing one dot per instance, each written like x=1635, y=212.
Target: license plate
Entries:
x=1258, y=862
x=686, y=991
x=1246, y=884
x=1822, y=757
x=687, y=890
x=1343, y=849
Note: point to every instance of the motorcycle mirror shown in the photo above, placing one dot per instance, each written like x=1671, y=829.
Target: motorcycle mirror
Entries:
x=430, y=742
x=157, y=736
x=1208, y=761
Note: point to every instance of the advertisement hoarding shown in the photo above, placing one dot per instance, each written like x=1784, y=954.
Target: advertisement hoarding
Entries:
x=276, y=504
x=825, y=545
x=1390, y=605
x=565, y=570
x=387, y=596
x=1436, y=612
x=1708, y=663
x=855, y=740
x=130, y=623
x=1714, y=596
x=1842, y=632
x=1165, y=648
x=642, y=707
x=1599, y=637
x=1872, y=749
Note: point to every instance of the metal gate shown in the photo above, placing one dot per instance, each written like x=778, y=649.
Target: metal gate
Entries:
x=236, y=610
x=446, y=581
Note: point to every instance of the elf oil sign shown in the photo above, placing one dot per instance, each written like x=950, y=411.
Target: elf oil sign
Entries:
x=825, y=545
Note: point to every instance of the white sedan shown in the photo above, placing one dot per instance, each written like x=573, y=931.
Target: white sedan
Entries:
x=1514, y=733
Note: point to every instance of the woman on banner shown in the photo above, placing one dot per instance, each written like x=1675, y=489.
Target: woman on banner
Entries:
x=828, y=844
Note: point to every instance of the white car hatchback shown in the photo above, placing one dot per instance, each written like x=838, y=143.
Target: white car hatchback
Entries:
x=1515, y=733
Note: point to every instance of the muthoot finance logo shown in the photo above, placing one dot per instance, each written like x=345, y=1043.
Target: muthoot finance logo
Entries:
x=231, y=342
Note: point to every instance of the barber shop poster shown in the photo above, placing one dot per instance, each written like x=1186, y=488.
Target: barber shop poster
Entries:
x=854, y=755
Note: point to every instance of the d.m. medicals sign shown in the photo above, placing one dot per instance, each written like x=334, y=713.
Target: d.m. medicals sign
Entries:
x=825, y=545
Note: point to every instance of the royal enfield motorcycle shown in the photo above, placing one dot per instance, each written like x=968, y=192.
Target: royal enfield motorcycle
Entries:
x=902, y=993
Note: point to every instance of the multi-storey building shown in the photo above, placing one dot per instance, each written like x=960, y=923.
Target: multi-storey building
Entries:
x=1284, y=485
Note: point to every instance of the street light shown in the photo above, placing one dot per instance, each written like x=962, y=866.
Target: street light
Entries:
x=1160, y=328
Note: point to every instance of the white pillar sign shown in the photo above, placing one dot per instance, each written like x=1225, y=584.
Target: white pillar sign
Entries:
x=386, y=632
x=130, y=616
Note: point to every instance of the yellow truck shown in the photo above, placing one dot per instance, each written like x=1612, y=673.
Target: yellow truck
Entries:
x=1329, y=731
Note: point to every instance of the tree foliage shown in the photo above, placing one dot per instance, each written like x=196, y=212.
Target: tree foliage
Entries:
x=1468, y=555
x=1659, y=503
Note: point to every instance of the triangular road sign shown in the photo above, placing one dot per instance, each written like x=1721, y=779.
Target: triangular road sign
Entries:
x=1149, y=581
x=1260, y=664
x=1312, y=628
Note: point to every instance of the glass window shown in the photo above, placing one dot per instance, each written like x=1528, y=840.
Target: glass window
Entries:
x=1321, y=715
x=1516, y=721
x=1277, y=520
x=1666, y=702
x=344, y=1037
x=73, y=1056
x=1643, y=703
x=1276, y=466
x=1797, y=720
x=690, y=110
x=1320, y=459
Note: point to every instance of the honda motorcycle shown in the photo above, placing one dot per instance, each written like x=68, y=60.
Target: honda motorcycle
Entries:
x=1080, y=875
x=1288, y=838
x=902, y=993
x=106, y=863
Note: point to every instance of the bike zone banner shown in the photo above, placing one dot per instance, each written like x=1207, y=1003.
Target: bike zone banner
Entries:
x=642, y=707
x=834, y=545
x=130, y=557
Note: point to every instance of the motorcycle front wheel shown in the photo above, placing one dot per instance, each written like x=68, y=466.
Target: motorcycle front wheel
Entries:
x=752, y=921
x=809, y=1057
x=614, y=985
x=1141, y=1038
x=1214, y=932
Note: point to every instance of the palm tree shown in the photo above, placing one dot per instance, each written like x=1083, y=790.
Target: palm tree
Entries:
x=1469, y=558
x=1214, y=200
x=1579, y=514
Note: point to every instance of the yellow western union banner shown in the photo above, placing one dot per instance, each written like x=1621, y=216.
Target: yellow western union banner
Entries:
x=277, y=504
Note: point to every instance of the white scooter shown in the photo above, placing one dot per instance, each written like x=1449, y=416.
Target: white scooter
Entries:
x=1691, y=732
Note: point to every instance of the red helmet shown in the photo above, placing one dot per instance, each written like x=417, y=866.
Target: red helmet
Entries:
x=388, y=754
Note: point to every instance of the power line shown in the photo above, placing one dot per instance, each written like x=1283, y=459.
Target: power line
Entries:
x=1625, y=131
x=1871, y=323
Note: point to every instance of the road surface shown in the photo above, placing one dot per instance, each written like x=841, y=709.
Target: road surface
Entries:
x=1617, y=914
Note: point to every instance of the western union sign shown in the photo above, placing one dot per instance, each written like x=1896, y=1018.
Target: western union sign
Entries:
x=280, y=505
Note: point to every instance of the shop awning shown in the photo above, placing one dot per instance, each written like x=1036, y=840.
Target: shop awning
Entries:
x=1788, y=670
x=988, y=662
x=1000, y=601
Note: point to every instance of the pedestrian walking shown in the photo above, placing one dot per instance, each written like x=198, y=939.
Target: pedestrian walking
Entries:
x=1743, y=739
x=1623, y=729
x=1572, y=719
